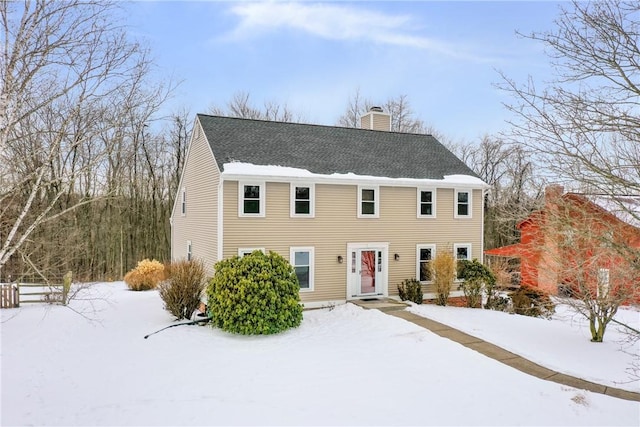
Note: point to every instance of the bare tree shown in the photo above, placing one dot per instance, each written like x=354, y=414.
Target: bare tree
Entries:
x=403, y=118
x=65, y=68
x=241, y=106
x=584, y=124
x=592, y=255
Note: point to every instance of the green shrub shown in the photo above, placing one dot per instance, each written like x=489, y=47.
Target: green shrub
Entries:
x=475, y=276
x=410, y=289
x=255, y=294
x=183, y=287
x=443, y=271
x=532, y=302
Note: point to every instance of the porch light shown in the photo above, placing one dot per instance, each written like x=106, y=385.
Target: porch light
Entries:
x=396, y=257
x=340, y=259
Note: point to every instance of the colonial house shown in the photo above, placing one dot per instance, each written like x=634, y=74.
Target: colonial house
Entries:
x=586, y=240
x=355, y=211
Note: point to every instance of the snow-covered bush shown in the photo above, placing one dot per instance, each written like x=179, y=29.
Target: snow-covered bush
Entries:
x=255, y=294
x=410, y=289
x=183, y=287
x=146, y=275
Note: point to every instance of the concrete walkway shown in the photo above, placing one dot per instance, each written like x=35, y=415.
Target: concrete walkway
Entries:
x=397, y=309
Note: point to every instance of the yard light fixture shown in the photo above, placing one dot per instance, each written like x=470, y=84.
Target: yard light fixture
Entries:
x=396, y=257
x=340, y=259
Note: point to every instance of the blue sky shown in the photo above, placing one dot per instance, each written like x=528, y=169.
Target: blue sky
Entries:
x=444, y=56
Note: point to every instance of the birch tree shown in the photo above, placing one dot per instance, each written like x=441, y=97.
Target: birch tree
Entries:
x=63, y=69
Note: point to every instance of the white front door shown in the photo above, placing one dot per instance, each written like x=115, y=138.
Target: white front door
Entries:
x=367, y=270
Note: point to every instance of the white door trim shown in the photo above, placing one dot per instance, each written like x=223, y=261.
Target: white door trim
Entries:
x=382, y=288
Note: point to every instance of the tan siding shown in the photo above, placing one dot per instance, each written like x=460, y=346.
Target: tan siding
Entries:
x=382, y=122
x=201, y=178
x=336, y=224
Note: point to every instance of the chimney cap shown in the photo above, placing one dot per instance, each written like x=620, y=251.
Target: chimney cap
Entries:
x=376, y=109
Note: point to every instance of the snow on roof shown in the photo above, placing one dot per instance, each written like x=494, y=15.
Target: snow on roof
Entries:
x=239, y=169
x=625, y=208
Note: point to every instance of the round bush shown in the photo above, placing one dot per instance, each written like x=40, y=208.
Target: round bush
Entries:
x=255, y=294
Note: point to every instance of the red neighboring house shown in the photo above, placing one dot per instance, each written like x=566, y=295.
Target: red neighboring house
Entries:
x=579, y=238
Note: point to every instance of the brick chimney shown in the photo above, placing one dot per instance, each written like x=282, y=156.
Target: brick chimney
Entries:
x=376, y=119
x=552, y=195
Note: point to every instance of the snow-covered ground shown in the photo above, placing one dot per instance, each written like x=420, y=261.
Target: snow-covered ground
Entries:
x=562, y=343
x=345, y=366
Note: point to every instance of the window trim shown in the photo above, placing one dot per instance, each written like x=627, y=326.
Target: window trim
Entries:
x=420, y=246
x=419, y=202
x=261, y=200
x=243, y=251
x=376, y=201
x=183, y=202
x=469, y=203
x=455, y=255
x=189, y=250
x=292, y=260
x=292, y=199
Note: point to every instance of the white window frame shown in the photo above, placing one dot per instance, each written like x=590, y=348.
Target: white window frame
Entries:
x=469, y=203
x=263, y=196
x=419, y=203
x=189, y=250
x=183, y=202
x=376, y=201
x=292, y=198
x=603, y=282
x=245, y=251
x=418, y=263
x=455, y=255
x=292, y=260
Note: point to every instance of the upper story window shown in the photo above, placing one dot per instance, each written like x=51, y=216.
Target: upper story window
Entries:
x=248, y=251
x=425, y=254
x=251, y=199
x=462, y=252
x=462, y=208
x=368, y=202
x=184, y=201
x=302, y=262
x=302, y=200
x=426, y=203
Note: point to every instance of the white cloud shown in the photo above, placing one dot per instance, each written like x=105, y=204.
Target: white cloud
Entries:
x=334, y=22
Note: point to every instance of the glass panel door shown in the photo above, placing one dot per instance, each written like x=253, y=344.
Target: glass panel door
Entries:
x=367, y=271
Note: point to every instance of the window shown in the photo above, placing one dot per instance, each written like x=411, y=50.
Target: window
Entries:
x=251, y=197
x=302, y=261
x=368, y=202
x=248, y=251
x=184, y=201
x=462, y=208
x=461, y=252
x=425, y=254
x=189, y=250
x=603, y=283
x=302, y=200
x=426, y=203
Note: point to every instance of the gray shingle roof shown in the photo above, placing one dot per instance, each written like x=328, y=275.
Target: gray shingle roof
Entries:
x=329, y=149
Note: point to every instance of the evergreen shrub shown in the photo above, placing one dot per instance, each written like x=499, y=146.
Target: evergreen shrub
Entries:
x=476, y=276
x=410, y=289
x=183, y=287
x=255, y=294
x=146, y=275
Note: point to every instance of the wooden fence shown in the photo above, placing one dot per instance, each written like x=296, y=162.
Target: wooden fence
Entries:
x=9, y=296
x=14, y=294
